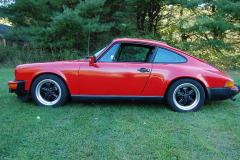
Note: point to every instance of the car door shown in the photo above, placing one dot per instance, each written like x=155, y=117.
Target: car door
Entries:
x=122, y=70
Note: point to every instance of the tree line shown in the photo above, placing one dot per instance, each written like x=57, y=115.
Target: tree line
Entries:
x=199, y=26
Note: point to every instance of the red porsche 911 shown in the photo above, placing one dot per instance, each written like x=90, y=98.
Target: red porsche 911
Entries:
x=126, y=69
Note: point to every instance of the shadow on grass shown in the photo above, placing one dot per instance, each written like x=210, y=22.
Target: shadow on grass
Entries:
x=208, y=106
x=103, y=104
x=120, y=104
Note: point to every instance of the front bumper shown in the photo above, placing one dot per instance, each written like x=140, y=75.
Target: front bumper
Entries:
x=18, y=87
x=215, y=94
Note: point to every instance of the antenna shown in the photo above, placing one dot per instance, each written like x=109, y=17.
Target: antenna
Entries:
x=88, y=39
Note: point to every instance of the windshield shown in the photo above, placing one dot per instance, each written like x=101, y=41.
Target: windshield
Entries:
x=99, y=52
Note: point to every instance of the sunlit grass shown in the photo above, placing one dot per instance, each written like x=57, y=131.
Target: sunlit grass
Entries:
x=117, y=130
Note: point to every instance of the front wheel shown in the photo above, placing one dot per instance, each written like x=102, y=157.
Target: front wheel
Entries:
x=49, y=90
x=185, y=95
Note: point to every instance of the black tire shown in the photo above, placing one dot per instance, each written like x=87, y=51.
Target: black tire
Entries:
x=185, y=95
x=49, y=90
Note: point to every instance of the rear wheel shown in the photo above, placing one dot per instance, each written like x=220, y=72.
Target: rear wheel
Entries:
x=185, y=95
x=49, y=90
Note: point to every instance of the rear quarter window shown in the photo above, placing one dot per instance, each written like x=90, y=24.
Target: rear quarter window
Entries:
x=166, y=56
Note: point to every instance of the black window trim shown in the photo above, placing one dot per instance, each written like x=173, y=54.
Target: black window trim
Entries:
x=168, y=62
x=107, y=51
x=144, y=44
x=110, y=45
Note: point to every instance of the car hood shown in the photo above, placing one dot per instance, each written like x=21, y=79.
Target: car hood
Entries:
x=54, y=63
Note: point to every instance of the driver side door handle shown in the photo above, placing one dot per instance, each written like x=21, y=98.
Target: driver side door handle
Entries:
x=143, y=70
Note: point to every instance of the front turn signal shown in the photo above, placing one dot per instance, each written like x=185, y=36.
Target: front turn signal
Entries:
x=12, y=85
x=229, y=84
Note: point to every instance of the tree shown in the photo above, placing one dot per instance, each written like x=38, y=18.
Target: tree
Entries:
x=206, y=24
x=57, y=24
x=209, y=22
x=148, y=13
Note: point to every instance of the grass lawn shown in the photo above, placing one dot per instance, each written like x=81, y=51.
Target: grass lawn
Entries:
x=117, y=130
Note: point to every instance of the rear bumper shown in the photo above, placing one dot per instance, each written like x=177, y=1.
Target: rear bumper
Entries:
x=18, y=87
x=215, y=94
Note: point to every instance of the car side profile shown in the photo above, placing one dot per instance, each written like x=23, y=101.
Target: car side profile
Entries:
x=127, y=68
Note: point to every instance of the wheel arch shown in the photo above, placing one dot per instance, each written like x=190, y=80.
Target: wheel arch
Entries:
x=40, y=74
x=174, y=80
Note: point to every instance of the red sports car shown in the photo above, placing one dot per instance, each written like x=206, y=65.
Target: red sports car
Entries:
x=126, y=69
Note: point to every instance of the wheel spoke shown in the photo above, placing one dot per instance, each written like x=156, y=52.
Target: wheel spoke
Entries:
x=185, y=89
x=48, y=85
x=54, y=88
x=54, y=96
x=185, y=101
x=45, y=96
x=189, y=98
x=180, y=93
x=181, y=100
x=191, y=92
x=43, y=89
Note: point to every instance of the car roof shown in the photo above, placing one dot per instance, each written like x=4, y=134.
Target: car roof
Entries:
x=154, y=42
x=138, y=40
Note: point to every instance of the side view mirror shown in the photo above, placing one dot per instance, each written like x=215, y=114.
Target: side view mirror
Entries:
x=92, y=60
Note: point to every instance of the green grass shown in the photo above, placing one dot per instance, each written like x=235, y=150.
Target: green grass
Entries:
x=117, y=130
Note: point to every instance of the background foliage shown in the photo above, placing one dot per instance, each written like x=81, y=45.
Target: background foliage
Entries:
x=208, y=29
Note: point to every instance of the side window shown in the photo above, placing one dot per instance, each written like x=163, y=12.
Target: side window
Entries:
x=166, y=56
x=109, y=55
x=134, y=53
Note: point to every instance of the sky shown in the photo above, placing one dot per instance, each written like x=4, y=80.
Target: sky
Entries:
x=6, y=2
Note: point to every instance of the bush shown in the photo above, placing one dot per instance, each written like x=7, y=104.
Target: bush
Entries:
x=13, y=56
